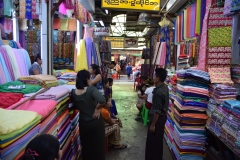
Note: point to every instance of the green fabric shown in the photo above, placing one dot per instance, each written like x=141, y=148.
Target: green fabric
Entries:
x=28, y=88
x=220, y=37
x=59, y=112
x=198, y=17
x=7, y=136
x=196, y=99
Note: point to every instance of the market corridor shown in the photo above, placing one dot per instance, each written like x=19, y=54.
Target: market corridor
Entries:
x=133, y=133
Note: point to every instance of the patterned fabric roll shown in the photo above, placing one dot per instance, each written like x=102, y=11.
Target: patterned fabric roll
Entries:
x=29, y=9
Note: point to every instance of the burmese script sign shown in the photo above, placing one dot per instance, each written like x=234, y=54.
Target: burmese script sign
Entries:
x=148, y=5
x=102, y=31
x=130, y=43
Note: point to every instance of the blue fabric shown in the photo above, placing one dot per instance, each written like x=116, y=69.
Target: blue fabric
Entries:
x=165, y=38
x=94, y=54
x=5, y=69
x=114, y=108
x=28, y=9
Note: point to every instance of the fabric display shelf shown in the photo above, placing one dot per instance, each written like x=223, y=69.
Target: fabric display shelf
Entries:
x=68, y=77
x=63, y=46
x=224, y=123
x=185, y=126
x=235, y=74
x=14, y=63
x=53, y=117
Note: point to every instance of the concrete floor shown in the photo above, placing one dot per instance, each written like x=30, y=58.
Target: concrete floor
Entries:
x=133, y=133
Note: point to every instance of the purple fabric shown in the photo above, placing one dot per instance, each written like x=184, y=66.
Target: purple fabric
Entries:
x=1, y=8
x=22, y=39
x=203, y=10
x=193, y=16
x=8, y=62
x=20, y=60
x=88, y=42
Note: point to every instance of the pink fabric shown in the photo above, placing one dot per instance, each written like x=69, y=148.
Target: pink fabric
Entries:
x=34, y=9
x=54, y=93
x=202, y=63
x=42, y=107
x=163, y=54
x=63, y=9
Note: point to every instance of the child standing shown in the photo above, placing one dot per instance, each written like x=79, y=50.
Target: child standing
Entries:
x=141, y=100
x=148, y=94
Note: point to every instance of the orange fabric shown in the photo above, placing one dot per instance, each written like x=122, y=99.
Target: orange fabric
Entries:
x=56, y=23
x=72, y=25
x=105, y=113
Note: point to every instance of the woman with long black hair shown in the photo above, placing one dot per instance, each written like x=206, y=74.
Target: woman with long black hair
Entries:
x=88, y=100
x=96, y=77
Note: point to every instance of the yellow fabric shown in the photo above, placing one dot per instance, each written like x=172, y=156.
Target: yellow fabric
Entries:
x=62, y=102
x=64, y=24
x=71, y=83
x=220, y=37
x=12, y=120
x=198, y=17
x=81, y=57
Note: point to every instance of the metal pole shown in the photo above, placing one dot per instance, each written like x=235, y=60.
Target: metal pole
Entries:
x=44, y=37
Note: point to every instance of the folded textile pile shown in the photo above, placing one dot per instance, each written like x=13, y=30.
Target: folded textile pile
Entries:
x=172, y=85
x=222, y=92
x=8, y=99
x=189, y=113
x=183, y=61
x=225, y=124
x=28, y=88
x=15, y=133
x=69, y=76
x=169, y=125
x=45, y=81
x=235, y=73
x=54, y=93
x=212, y=105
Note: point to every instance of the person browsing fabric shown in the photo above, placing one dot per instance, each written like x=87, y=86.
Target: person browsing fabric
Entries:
x=36, y=68
x=148, y=94
x=96, y=77
x=43, y=147
x=112, y=126
x=88, y=100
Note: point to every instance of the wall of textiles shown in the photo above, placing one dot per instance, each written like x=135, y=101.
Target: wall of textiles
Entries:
x=105, y=50
x=63, y=47
x=15, y=62
x=188, y=23
x=145, y=68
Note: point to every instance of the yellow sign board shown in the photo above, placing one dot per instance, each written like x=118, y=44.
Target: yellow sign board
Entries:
x=147, y=5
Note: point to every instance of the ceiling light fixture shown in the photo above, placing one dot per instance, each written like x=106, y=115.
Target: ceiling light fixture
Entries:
x=106, y=11
x=101, y=22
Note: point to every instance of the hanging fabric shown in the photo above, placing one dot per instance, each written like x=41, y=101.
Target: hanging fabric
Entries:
x=81, y=57
x=203, y=43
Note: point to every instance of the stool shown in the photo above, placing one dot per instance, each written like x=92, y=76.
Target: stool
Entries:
x=145, y=116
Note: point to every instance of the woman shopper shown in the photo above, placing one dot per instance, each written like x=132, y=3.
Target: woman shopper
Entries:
x=43, y=147
x=96, y=77
x=36, y=67
x=88, y=100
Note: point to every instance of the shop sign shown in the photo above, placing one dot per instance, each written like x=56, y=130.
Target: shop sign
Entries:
x=130, y=42
x=148, y=5
x=102, y=31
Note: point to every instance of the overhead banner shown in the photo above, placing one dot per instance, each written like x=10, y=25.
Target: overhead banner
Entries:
x=130, y=42
x=147, y=5
x=102, y=31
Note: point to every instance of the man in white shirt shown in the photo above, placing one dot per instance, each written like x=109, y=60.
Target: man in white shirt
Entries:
x=149, y=95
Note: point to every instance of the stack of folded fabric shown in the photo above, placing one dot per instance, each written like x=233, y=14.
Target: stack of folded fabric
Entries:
x=183, y=61
x=15, y=133
x=212, y=105
x=25, y=90
x=173, y=86
x=69, y=76
x=46, y=81
x=169, y=125
x=222, y=92
x=8, y=99
x=235, y=73
x=190, y=114
x=216, y=121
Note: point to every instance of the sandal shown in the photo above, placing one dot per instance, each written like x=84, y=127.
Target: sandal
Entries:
x=122, y=146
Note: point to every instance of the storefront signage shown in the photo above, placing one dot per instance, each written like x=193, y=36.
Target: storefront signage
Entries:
x=148, y=5
x=102, y=31
x=130, y=43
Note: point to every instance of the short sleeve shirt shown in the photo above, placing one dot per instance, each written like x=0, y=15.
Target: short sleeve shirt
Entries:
x=35, y=66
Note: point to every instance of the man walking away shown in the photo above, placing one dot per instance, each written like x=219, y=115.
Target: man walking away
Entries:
x=158, y=117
